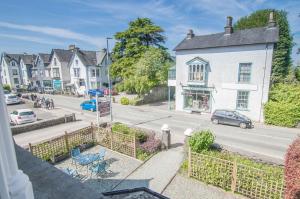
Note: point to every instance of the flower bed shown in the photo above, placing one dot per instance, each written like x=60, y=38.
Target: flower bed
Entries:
x=147, y=144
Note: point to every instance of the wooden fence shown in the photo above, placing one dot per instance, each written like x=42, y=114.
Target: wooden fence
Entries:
x=230, y=175
x=90, y=135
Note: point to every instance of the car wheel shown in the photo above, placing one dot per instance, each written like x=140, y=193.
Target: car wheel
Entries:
x=215, y=121
x=243, y=125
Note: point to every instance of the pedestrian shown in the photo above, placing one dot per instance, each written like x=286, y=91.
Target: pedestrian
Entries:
x=47, y=102
x=51, y=104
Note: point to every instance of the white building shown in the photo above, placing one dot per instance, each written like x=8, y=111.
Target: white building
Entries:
x=26, y=66
x=88, y=69
x=41, y=71
x=227, y=70
x=59, y=67
x=10, y=70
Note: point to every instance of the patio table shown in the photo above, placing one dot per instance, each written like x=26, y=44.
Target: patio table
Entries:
x=87, y=159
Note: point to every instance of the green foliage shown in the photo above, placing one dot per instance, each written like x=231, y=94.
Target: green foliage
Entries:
x=121, y=128
x=282, y=54
x=131, y=60
x=283, y=108
x=297, y=73
x=6, y=87
x=142, y=155
x=201, y=141
x=141, y=136
x=124, y=101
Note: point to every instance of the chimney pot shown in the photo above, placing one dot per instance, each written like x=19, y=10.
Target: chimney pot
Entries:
x=271, y=22
x=228, y=27
x=190, y=34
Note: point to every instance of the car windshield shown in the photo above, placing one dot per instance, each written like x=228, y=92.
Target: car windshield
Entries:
x=6, y=92
x=26, y=113
x=12, y=97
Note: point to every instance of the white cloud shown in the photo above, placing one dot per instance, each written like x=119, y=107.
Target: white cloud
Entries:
x=57, y=32
x=31, y=39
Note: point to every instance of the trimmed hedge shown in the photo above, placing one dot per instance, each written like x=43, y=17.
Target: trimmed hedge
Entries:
x=283, y=108
x=292, y=171
x=201, y=141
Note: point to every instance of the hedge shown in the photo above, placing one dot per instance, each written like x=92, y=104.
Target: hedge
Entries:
x=283, y=108
x=292, y=171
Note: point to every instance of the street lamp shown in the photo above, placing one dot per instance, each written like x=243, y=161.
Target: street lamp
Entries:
x=109, y=81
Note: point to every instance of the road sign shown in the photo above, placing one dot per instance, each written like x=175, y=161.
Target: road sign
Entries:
x=103, y=108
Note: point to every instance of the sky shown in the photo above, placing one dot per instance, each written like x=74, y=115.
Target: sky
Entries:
x=35, y=26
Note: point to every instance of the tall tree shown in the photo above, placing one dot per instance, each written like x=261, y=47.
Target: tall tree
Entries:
x=282, y=54
x=132, y=43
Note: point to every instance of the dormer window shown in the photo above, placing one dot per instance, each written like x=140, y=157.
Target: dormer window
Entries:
x=13, y=63
x=197, y=70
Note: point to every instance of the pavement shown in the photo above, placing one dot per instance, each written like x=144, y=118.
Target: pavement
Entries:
x=263, y=142
x=183, y=187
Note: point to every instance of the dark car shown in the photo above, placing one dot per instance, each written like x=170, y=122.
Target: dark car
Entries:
x=231, y=118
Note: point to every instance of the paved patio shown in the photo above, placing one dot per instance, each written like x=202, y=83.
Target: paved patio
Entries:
x=120, y=166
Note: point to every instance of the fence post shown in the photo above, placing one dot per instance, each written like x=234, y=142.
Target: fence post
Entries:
x=190, y=163
x=67, y=141
x=234, y=176
x=93, y=132
x=30, y=148
x=134, y=146
x=74, y=117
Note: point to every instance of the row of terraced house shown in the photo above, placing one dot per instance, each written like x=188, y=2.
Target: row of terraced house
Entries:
x=62, y=68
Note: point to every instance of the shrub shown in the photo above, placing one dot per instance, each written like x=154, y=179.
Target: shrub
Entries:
x=7, y=87
x=201, y=141
x=283, y=108
x=292, y=170
x=124, y=101
x=141, y=155
x=151, y=145
x=121, y=128
x=141, y=136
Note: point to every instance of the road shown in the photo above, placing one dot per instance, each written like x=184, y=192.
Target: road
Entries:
x=263, y=142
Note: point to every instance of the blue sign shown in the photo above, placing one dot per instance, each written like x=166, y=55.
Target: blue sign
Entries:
x=57, y=84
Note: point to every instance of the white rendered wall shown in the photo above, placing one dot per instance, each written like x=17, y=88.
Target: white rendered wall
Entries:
x=223, y=75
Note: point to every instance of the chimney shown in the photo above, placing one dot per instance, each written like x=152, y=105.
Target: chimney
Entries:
x=271, y=22
x=190, y=34
x=228, y=28
x=72, y=47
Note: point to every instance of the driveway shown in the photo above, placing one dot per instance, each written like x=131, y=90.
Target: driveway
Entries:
x=264, y=142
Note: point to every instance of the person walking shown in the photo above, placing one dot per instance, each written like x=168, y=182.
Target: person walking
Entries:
x=51, y=104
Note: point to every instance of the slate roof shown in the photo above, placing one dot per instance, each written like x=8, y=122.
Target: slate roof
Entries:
x=28, y=59
x=63, y=55
x=45, y=57
x=88, y=58
x=261, y=35
x=9, y=57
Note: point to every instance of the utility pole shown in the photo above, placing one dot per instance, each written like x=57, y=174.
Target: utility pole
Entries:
x=109, y=81
x=97, y=109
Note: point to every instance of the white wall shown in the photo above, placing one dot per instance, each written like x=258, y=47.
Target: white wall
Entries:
x=82, y=68
x=223, y=75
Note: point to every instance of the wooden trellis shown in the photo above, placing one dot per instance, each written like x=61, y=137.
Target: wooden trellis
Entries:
x=230, y=175
x=120, y=142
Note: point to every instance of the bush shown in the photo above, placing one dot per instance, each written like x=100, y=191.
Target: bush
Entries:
x=283, y=108
x=7, y=87
x=292, y=171
x=121, y=128
x=142, y=155
x=201, y=141
x=141, y=136
x=124, y=101
x=151, y=145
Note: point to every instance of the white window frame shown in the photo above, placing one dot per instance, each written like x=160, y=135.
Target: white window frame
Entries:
x=240, y=99
x=56, y=72
x=93, y=72
x=12, y=70
x=244, y=74
x=76, y=72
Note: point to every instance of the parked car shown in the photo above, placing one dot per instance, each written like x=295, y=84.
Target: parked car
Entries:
x=12, y=99
x=23, y=116
x=93, y=92
x=48, y=90
x=106, y=92
x=89, y=105
x=231, y=118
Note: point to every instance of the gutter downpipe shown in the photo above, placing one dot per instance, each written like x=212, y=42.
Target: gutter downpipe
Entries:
x=263, y=84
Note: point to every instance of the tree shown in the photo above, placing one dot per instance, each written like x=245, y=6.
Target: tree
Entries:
x=282, y=54
x=132, y=43
x=151, y=71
